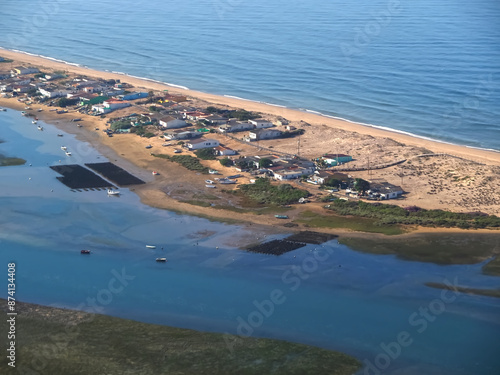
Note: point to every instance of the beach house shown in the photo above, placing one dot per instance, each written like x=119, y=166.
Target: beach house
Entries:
x=385, y=190
x=202, y=143
x=259, y=134
x=133, y=96
x=261, y=123
x=171, y=122
x=109, y=106
x=224, y=151
x=53, y=92
x=21, y=70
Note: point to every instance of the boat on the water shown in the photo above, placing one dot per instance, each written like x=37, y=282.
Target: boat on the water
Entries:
x=34, y=122
x=163, y=260
x=151, y=246
x=64, y=148
x=40, y=128
x=281, y=216
x=60, y=135
x=68, y=153
x=85, y=251
x=113, y=192
x=3, y=109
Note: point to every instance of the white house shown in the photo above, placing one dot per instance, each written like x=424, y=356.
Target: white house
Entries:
x=235, y=126
x=20, y=70
x=261, y=124
x=53, y=93
x=224, y=151
x=109, y=106
x=290, y=173
x=171, y=122
x=202, y=143
x=259, y=134
x=385, y=191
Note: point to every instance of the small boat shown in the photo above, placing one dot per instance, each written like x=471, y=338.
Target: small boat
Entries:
x=210, y=186
x=60, y=135
x=34, y=122
x=3, y=109
x=213, y=171
x=226, y=181
x=64, y=148
x=166, y=144
x=68, y=153
x=155, y=173
x=209, y=182
x=39, y=109
x=281, y=216
x=149, y=146
x=177, y=151
x=24, y=113
x=161, y=260
x=113, y=192
x=40, y=128
x=27, y=108
x=234, y=176
x=151, y=246
x=85, y=251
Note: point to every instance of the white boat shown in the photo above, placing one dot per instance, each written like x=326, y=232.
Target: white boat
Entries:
x=163, y=260
x=64, y=148
x=113, y=192
x=34, y=122
x=166, y=144
x=68, y=153
x=213, y=171
x=209, y=182
x=39, y=110
x=40, y=128
x=155, y=173
x=151, y=246
x=3, y=109
x=210, y=186
x=177, y=151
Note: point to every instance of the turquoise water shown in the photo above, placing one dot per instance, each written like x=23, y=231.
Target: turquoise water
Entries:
x=329, y=295
x=425, y=67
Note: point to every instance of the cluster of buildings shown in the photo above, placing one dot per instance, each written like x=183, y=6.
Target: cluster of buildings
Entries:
x=176, y=121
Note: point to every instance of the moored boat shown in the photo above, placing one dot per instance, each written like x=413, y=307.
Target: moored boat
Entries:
x=226, y=181
x=64, y=148
x=113, y=192
x=85, y=251
x=163, y=260
x=151, y=246
x=34, y=122
x=68, y=153
x=40, y=128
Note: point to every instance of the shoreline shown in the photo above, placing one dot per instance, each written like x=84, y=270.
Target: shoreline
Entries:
x=311, y=117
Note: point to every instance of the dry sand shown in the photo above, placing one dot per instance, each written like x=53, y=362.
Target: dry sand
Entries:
x=436, y=182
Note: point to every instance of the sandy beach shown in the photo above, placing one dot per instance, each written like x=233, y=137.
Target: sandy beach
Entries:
x=463, y=180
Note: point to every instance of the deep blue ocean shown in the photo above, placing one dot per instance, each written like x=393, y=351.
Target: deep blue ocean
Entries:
x=426, y=67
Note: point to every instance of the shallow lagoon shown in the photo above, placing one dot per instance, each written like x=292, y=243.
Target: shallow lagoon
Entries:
x=329, y=295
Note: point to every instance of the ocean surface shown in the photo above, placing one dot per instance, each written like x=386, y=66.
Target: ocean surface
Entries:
x=429, y=68
x=328, y=295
